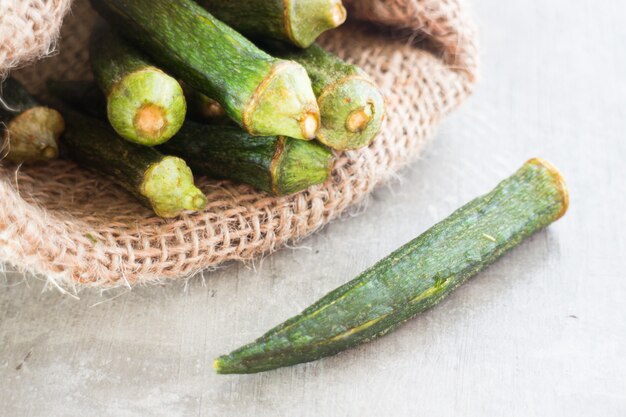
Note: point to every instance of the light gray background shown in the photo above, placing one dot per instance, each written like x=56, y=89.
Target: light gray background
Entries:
x=541, y=333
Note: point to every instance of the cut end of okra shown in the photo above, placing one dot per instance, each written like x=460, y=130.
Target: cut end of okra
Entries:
x=306, y=20
x=360, y=118
x=283, y=104
x=150, y=120
x=168, y=185
x=309, y=124
x=352, y=111
x=558, y=180
x=147, y=107
x=338, y=14
x=298, y=165
x=33, y=136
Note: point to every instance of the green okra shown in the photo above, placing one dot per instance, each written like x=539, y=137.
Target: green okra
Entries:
x=274, y=164
x=144, y=104
x=299, y=22
x=29, y=130
x=162, y=183
x=415, y=277
x=352, y=107
x=265, y=95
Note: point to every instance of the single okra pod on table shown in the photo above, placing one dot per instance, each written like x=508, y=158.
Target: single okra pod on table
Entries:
x=299, y=22
x=264, y=95
x=352, y=107
x=29, y=131
x=144, y=104
x=162, y=183
x=415, y=277
x=274, y=164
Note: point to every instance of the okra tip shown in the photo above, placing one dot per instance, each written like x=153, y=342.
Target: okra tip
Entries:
x=559, y=182
x=283, y=104
x=226, y=364
x=217, y=365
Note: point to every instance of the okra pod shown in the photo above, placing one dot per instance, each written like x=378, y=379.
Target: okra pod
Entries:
x=144, y=104
x=415, y=277
x=299, y=22
x=162, y=183
x=274, y=164
x=265, y=95
x=29, y=130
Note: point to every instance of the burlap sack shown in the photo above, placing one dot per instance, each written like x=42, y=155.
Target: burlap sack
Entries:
x=77, y=229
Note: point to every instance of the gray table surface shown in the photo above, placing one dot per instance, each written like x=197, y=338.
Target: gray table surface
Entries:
x=540, y=333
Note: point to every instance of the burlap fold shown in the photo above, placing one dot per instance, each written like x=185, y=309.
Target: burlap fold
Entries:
x=78, y=229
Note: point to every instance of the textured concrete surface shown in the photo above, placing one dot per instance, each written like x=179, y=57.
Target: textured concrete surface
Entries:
x=541, y=333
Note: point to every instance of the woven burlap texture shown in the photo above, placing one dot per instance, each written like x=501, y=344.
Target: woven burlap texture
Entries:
x=78, y=230
x=28, y=29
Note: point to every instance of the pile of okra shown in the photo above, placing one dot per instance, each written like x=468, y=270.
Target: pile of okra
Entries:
x=233, y=90
x=238, y=90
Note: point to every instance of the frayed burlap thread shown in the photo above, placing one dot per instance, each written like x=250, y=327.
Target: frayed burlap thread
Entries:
x=80, y=230
x=28, y=29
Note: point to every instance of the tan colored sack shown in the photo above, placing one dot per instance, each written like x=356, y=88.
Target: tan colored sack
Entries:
x=77, y=229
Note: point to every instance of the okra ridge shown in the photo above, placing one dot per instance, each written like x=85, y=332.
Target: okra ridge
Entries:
x=275, y=164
